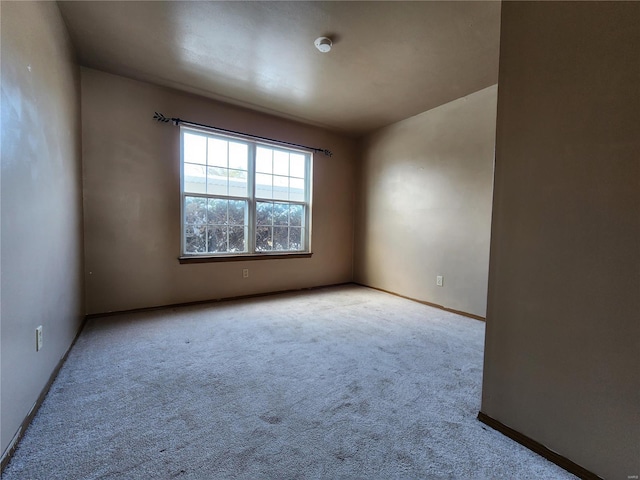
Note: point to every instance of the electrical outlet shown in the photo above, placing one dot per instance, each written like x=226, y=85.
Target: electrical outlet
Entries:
x=245, y=273
x=39, y=338
x=439, y=279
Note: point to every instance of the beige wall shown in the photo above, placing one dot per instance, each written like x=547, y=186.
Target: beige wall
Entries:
x=425, y=205
x=563, y=325
x=132, y=200
x=41, y=203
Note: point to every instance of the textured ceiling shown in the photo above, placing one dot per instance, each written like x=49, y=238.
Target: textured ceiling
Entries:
x=390, y=60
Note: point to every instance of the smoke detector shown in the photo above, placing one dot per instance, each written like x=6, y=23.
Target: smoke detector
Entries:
x=323, y=44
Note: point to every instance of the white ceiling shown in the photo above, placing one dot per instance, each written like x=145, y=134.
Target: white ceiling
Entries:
x=390, y=60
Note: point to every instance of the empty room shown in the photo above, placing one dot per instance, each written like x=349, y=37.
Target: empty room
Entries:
x=320, y=239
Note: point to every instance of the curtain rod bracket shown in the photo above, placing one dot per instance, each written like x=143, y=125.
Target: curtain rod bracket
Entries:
x=159, y=117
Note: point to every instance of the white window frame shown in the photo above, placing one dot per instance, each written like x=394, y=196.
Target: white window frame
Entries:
x=251, y=198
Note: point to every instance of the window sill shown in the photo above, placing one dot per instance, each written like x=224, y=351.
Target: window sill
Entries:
x=243, y=258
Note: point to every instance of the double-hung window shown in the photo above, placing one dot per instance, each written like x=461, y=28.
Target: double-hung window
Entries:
x=242, y=197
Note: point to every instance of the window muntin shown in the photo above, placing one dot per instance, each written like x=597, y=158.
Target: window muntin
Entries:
x=279, y=227
x=214, y=225
x=242, y=197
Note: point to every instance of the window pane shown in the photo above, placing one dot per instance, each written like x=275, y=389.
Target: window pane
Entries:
x=297, y=163
x=281, y=214
x=218, y=211
x=195, y=210
x=217, y=153
x=280, y=188
x=264, y=186
x=295, y=215
x=295, y=238
x=194, y=178
x=218, y=203
x=280, y=238
x=264, y=213
x=195, y=239
x=237, y=212
x=296, y=190
x=195, y=149
x=238, y=154
x=237, y=237
x=264, y=160
x=280, y=163
x=217, y=182
x=217, y=236
x=263, y=239
x=238, y=183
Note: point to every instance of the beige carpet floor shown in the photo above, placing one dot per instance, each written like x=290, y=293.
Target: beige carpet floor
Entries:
x=344, y=382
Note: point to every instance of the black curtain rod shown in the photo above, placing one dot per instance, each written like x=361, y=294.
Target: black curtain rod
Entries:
x=177, y=121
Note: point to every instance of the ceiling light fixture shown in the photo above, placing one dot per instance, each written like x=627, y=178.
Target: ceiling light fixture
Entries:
x=323, y=44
